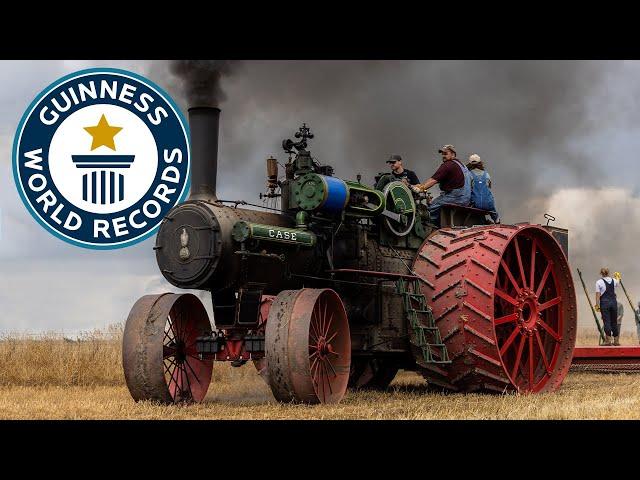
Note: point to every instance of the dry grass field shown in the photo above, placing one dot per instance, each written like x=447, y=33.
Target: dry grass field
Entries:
x=54, y=378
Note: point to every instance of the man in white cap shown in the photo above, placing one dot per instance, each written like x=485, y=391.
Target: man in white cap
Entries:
x=454, y=181
x=481, y=195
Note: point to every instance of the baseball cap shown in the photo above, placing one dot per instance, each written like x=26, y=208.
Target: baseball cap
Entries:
x=447, y=147
x=475, y=158
x=394, y=158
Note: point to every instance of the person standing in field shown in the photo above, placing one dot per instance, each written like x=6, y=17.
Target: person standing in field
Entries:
x=607, y=305
x=637, y=315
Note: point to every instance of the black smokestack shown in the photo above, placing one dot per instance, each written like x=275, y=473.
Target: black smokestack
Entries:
x=200, y=85
x=203, y=123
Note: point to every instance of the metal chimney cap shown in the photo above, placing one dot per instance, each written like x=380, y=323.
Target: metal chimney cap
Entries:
x=195, y=108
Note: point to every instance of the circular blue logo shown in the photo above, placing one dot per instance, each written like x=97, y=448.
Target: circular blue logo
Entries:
x=100, y=157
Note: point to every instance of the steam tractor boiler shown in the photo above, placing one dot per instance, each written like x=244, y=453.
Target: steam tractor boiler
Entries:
x=342, y=285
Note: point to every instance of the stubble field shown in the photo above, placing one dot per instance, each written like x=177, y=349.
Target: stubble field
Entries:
x=55, y=378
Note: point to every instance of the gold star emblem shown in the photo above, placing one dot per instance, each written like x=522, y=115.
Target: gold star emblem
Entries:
x=103, y=134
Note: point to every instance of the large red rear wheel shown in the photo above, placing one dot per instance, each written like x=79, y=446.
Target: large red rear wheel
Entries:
x=504, y=301
x=308, y=346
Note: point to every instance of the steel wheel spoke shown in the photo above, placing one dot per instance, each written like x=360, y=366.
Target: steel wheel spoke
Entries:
x=168, y=367
x=550, y=330
x=533, y=263
x=510, y=276
x=178, y=381
x=530, y=362
x=545, y=275
x=509, y=341
x=315, y=361
x=520, y=265
x=318, y=322
x=168, y=351
x=324, y=317
x=173, y=379
x=314, y=330
x=170, y=326
x=332, y=369
x=512, y=317
x=518, y=357
x=326, y=331
x=543, y=354
x=166, y=336
x=174, y=329
x=186, y=375
x=176, y=323
x=172, y=371
x=321, y=373
x=332, y=336
x=504, y=295
x=314, y=381
x=192, y=371
x=550, y=303
x=329, y=381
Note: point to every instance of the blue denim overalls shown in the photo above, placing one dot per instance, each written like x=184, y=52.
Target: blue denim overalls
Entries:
x=481, y=195
x=457, y=196
x=609, y=309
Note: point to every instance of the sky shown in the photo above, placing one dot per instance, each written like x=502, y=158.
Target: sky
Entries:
x=558, y=137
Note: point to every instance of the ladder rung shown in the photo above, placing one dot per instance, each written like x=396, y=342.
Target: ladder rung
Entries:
x=423, y=327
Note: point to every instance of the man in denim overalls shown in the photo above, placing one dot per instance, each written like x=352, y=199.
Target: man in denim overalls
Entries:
x=637, y=315
x=454, y=180
x=607, y=305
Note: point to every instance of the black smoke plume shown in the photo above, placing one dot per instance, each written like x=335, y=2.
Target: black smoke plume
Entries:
x=200, y=80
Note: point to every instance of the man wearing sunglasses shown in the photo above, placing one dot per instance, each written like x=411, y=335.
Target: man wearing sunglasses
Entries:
x=400, y=173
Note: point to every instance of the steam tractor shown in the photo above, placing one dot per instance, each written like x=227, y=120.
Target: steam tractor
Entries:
x=344, y=284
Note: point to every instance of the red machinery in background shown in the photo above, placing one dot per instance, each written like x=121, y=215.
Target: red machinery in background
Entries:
x=605, y=358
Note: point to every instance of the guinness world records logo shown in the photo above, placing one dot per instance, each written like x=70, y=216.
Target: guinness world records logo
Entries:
x=100, y=157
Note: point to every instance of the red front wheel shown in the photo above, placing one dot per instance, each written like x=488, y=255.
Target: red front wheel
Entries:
x=159, y=349
x=308, y=346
